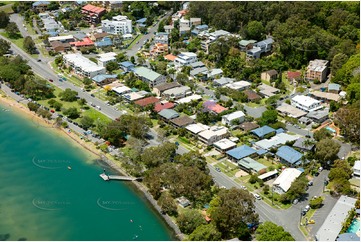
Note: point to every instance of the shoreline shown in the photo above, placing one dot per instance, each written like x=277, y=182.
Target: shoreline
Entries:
x=89, y=149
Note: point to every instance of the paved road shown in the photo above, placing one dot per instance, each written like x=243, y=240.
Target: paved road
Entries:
x=289, y=219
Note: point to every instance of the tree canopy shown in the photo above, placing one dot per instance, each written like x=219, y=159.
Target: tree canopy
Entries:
x=269, y=231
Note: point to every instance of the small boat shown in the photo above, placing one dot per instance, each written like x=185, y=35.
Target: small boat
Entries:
x=69, y=167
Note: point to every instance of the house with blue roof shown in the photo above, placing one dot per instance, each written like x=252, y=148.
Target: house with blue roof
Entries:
x=263, y=131
x=104, y=79
x=126, y=66
x=240, y=152
x=106, y=41
x=289, y=156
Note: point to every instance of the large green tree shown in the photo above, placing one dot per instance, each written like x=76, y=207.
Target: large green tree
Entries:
x=348, y=119
x=68, y=95
x=167, y=204
x=326, y=150
x=207, y=232
x=12, y=30
x=189, y=220
x=29, y=45
x=269, y=231
x=4, y=19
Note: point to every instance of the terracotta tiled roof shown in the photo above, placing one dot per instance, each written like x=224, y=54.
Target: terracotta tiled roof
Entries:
x=160, y=106
x=293, y=74
x=92, y=8
x=147, y=101
x=170, y=57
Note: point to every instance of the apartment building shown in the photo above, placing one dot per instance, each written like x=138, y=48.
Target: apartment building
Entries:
x=118, y=25
x=184, y=59
x=92, y=14
x=82, y=66
x=104, y=59
x=317, y=70
x=161, y=38
x=306, y=103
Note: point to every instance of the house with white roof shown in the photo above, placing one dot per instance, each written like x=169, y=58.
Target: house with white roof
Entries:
x=189, y=99
x=306, y=103
x=118, y=25
x=196, y=128
x=184, y=59
x=121, y=90
x=283, y=182
x=212, y=135
x=104, y=59
x=82, y=66
x=238, y=115
x=356, y=169
x=224, y=145
x=240, y=85
x=177, y=92
x=278, y=139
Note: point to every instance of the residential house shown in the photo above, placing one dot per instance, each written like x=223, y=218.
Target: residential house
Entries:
x=293, y=76
x=267, y=91
x=211, y=37
x=202, y=27
x=194, y=97
x=104, y=79
x=214, y=73
x=78, y=36
x=168, y=114
x=177, y=92
x=184, y=59
x=247, y=126
x=121, y=90
x=325, y=96
x=224, y=145
x=318, y=116
x=184, y=202
x=334, y=222
x=252, y=96
x=195, y=21
x=86, y=42
x=158, y=49
x=197, y=64
x=275, y=141
x=184, y=30
x=259, y=48
x=241, y=152
x=305, y=103
x=62, y=39
x=289, y=156
x=132, y=96
x=212, y=135
x=269, y=75
x=245, y=45
x=170, y=57
x=161, y=38
x=119, y=25
x=211, y=106
x=263, y=131
x=254, y=53
x=58, y=46
x=159, y=89
x=127, y=66
x=200, y=72
x=317, y=70
x=197, y=128
x=223, y=81
x=184, y=23
x=147, y=75
x=290, y=111
x=92, y=14
x=251, y=166
x=105, y=42
x=146, y=101
x=99, y=36
x=163, y=105
x=304, y=145
x=237, y=116
x=40, y=6
x=82, y=66
x=284, y=181
x=141, y=22
x=334, y=88
x=356, y=169
x=168, y=28
x=104, y=59
x=240, y=85
x=268, y=175
x=182, y=122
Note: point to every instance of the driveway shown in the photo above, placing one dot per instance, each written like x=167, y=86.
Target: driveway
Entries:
x=295, y=130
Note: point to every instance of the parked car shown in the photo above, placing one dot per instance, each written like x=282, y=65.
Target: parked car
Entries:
x=52, y=111
x=217, y=169
x=51, y=80
x=320, y=169
x=295, y=201
x=256, y=196
x=307, y=208
x=310, y=183
x=92, y=95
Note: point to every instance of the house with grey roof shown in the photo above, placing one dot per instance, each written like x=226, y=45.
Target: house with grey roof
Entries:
x=318, y=116
x=147, y=75
x=250, y=165
x=159, y=89
x=245, y=45
x=168, y=114
x=334, y=88
x=269, y=75
x=304, y=144
x=177, y=92
x=223, y=81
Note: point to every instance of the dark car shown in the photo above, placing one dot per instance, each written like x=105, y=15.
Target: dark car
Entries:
x=317, y=173
x=50, y=80
x=92, y=95
x=39, y=60
x=217, y=169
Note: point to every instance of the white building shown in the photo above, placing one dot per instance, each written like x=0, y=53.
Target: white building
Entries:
x=83, y=66
x=161, y=38
x=306, y=103
x=197, y=128
x=214, y=134
x=284, y=181
x=177, y=92
x=184, y=59
x=118, y=25
x=104, y=59
x=224, y=145
x=63, y=39
x=356, y=169
x=121, y=90
x=240, y=85
x=238, y=115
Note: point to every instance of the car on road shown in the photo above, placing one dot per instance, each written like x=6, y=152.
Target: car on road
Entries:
x=52, y=111
x=295, y=201
x=310, y=183
x=218, y=169
x=303, y=212
x=320, y=169
x=243, y=188
x=51, y=80
x=317, y=173
x=39, y=60
x=256, y=196
x=92, y=95
x=307, y=208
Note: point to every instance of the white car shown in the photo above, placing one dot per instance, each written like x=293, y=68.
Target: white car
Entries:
x=256, y=196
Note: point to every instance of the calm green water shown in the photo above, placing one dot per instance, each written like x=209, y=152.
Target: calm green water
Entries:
x=40, y=199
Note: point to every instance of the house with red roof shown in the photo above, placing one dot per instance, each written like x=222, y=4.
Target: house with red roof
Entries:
x=211, y=106
x=170, y=57
x=92, y=14
x=163, y=105
x=86, y=42
x=147, y=101
x=293, y=76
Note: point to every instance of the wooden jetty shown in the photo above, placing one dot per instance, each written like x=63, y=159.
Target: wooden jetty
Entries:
x=106, y=177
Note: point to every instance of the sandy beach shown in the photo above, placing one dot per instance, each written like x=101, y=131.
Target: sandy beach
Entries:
x=90, y=150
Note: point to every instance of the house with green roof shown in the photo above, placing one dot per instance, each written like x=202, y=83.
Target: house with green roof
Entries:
x=147, y=75
x=250, y=165
x=168, y=114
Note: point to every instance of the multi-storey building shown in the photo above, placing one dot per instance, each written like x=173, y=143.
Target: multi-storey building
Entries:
x=118, y=25
x=82, y=66
x=184, y=59
x=92, y=14
x=317, y=70
x=305, y=103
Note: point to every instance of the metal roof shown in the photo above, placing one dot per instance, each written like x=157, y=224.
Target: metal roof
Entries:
x=262, y=131
x=289, y=154
x=168, y=114
x=241, y=152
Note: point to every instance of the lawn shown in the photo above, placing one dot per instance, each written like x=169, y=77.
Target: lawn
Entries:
x=101, y=94
x=76, y=81
x=135, y=41
x=6, y=7
x=266, y=162
x=19, y=43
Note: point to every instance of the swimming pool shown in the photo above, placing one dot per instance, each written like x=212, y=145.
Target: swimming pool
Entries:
x=330, y=129
x=355, y=226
